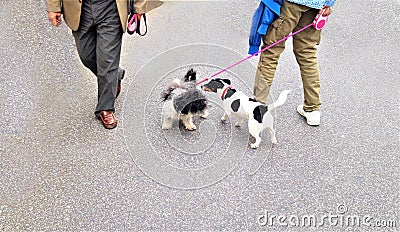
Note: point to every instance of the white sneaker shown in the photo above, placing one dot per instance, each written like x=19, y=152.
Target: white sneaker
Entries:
x=313, y=117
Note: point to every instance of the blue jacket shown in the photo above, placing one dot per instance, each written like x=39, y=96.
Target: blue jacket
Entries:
x=266, y=13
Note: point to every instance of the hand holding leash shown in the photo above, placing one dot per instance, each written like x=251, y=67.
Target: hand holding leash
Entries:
x=325, y=11
x=322, y=17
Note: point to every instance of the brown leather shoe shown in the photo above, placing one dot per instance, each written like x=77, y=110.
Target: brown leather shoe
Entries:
x=108, y=119
x=119, y=84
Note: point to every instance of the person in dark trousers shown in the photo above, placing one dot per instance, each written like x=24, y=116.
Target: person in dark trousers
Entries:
x=97, y=26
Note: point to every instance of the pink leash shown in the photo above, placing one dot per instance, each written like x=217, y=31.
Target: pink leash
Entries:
x=255, y=54
x=318, y=23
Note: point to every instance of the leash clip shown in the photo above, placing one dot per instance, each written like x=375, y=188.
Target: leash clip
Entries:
x=320, y=21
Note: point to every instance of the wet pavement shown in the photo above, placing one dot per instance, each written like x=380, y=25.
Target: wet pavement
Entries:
x=61, y=170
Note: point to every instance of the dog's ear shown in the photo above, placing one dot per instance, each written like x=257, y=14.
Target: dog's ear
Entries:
x=193, y=75
x=190, y=75
x=187, y=76
x=227, y=81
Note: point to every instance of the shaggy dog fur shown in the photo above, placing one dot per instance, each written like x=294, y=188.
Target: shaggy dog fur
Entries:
x=182, y=100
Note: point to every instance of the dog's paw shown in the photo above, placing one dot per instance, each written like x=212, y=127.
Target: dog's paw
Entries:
x=191, y=128
x=254, y=146
x=166, y=127
x=204, y=115
x=238, y=123
x=274, y=141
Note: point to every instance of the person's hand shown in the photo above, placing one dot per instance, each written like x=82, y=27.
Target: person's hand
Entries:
x=55, y=18
x=328, y=10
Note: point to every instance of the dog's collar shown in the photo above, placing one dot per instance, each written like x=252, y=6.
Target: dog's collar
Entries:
x=226, y=90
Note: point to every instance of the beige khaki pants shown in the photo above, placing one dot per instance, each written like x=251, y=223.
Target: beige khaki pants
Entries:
x=293, y=17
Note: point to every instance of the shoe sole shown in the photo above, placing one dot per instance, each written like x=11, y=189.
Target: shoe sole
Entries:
x=109, y=127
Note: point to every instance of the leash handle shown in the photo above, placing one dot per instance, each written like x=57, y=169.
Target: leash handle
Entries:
x=145, y=24
x=134, y=22
x=134, y=25
x=320, y=20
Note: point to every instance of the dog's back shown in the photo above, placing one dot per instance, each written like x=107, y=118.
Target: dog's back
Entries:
x=260, y=111
x=190, y=100
x=239, y=105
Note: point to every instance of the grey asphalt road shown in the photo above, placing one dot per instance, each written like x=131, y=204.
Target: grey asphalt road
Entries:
x=60, y=170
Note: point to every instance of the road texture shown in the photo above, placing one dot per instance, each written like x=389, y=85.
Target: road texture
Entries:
x=61, y=170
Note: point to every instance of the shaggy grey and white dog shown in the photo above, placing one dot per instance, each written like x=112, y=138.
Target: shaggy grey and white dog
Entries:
x=182, y=100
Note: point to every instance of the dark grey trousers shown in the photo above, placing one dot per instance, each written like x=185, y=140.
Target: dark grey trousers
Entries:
x=98, y=41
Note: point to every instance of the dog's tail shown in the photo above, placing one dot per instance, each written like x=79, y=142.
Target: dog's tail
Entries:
x=166, y=94
x=280, y=101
